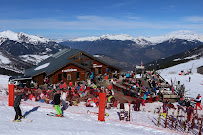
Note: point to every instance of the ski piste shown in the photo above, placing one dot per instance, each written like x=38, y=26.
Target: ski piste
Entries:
x=26, y=120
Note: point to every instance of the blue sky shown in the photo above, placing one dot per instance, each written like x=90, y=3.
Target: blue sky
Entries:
x=68, y=19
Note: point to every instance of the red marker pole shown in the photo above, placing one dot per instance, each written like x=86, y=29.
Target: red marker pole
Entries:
x=11, y=95
x=102, y=98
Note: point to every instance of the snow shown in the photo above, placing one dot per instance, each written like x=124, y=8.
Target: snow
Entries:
x=3, y=59
x=34, y=58
x=4, y=79
x=22, y=37
x=97, y=56
x=32, y=38
x=191, y=57
x=76, y=121
x=177, y=59
x=42, y=66
x=183, y=34
x=143, y=41
x=193, y=87
x=9, y=34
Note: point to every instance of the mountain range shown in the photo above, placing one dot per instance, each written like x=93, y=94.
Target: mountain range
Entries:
x=19, y=50
x=127, y=52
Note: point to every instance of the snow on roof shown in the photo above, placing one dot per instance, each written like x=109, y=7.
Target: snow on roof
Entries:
x=42, y=66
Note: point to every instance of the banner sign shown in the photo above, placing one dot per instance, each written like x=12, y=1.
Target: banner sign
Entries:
x=69, y=70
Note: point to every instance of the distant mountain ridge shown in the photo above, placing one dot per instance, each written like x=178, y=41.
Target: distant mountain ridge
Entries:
x=145, y=41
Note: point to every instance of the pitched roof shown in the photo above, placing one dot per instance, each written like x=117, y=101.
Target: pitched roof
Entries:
x=54, y=62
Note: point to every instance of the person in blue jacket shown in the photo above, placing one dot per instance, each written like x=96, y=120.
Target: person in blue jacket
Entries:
x=144, y=99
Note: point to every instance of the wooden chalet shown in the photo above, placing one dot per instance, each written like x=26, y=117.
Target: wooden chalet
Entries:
x=69, y=65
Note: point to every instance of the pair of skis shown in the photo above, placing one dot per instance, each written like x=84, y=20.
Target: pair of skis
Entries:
x=95, y=113
x=54, y=114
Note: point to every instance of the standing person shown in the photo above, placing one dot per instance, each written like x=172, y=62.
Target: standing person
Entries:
x=17, y=109
x=198, y=102
x=144, y=99
x=57, y=103
x=189, y=78
x=63, y=99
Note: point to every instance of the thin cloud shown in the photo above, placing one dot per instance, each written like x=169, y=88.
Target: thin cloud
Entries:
x=96, y=23
x=195, y=19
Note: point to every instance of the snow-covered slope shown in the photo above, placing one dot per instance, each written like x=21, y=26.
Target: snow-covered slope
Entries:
x=22, y=37
x=195, y=86
x=185, y=35
x=35, y=59
x=3, y=59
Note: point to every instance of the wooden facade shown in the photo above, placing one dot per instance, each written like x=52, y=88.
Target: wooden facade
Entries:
x=68, y=73
x=78, y=68
x=96, y=66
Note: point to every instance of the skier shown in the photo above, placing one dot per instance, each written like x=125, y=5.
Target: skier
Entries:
x=57, y=103
x=198, y=102
x=189, y=78
x=17, y=109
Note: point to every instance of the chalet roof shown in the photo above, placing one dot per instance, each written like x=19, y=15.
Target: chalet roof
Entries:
x=54, y=63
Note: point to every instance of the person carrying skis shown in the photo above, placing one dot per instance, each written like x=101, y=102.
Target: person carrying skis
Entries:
x=198, y=102
x=17, y=109
x=57, y=102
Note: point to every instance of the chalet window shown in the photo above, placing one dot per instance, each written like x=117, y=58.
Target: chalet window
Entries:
x=99, y=70
x=86, y=63
x=78, y=75
x=59, y=77
x=82, y=63
x=69, y=77
x=64, y=75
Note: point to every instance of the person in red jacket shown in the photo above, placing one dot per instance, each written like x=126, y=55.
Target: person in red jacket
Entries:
x=198, y=102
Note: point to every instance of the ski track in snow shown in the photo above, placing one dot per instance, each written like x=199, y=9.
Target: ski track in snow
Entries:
x=76, y=121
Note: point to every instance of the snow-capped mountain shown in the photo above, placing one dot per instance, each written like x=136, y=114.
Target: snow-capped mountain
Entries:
x=184, y=35
x=121, y=37
x=19, y=51
x=22, y=37
x=144, y=41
